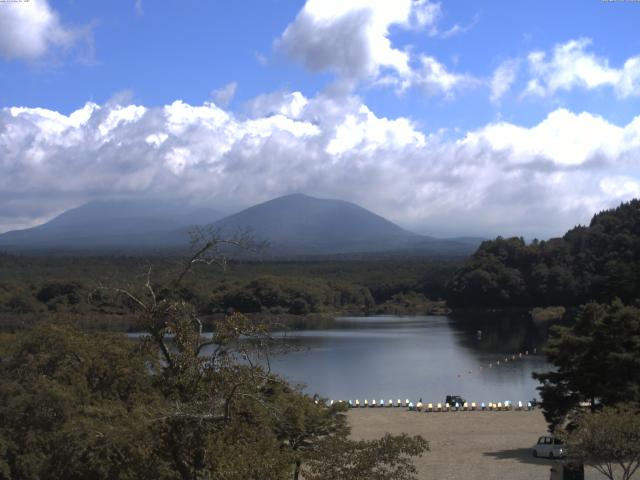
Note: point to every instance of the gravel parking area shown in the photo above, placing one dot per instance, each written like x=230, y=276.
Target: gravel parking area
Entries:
x=466, y=445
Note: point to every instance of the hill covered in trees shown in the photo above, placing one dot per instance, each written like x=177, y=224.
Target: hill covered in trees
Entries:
x=596, y=262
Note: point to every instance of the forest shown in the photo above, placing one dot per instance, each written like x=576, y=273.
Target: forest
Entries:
x=35, y=287
x=597, y=262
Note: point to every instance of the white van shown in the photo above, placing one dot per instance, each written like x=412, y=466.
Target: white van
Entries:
x=550, y=447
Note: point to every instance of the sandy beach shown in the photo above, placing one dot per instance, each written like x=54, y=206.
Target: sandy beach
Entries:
x=466, y=445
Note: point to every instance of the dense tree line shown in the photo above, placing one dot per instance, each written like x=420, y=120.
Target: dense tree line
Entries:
x=37, y=287
x=599, y=262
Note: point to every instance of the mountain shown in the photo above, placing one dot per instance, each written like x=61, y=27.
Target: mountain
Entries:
x=113, y=224
x=302, y=225
x=293, y=225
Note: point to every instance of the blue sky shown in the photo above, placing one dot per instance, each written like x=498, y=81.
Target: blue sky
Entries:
x=450, y=118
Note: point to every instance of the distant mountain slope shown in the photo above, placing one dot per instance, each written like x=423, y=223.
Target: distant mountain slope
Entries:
x=304, y=225
x=301, y=224
x=294, y=225
x=118, y=224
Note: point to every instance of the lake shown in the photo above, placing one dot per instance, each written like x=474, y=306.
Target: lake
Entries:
x=418, y=356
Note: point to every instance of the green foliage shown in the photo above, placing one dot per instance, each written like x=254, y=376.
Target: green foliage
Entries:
x=547, y=314
x=304, y=427
x=608, y=440
x=68, y=401
x=597, y=360
x=33, y=287
x=176, y=404
x=386, y=458
x=412, y=303
x=52, y=291
x=599, y=262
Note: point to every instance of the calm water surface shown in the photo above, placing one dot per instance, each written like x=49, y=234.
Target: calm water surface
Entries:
x=412, y=357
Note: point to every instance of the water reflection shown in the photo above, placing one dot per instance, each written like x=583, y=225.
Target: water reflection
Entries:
x=393, y=357
x=423, y=356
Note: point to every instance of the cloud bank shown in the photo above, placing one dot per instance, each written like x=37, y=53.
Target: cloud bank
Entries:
x=499, y=179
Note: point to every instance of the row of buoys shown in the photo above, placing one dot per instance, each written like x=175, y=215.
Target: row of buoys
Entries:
x=439, y=407
x=503, y=361
x=513, y=358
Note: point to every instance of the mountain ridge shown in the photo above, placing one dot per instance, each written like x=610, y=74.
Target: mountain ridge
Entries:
x=116, y=223
x=293, y=225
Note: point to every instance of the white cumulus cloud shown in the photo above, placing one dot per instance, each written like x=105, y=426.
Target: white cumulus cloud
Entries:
x=352, y=40
x=571, y=65
x=563, y=138
x=349, y=38
x=502, y=178
x=28, y=30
